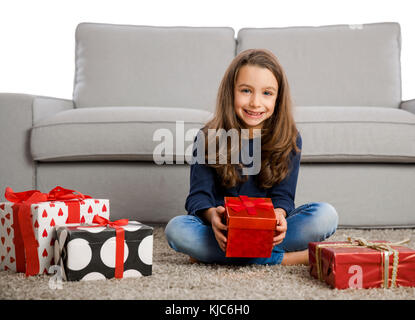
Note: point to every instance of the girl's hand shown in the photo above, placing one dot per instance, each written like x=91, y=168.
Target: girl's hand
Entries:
x=218, y=227
x=281, y=227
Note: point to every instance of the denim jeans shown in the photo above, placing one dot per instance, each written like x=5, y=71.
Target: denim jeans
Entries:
x=189, y=234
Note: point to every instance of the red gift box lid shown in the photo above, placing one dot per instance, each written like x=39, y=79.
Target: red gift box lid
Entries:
x=250, y=213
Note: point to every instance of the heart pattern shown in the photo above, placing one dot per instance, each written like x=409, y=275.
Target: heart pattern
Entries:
x=45, y=217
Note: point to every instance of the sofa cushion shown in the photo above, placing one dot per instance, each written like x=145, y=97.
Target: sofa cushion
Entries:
x=123, y=65
x=111, y=133
x=341, y=134
x=340, y=65
x=356, y=134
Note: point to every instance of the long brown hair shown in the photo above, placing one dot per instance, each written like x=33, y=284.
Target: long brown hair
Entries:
x=278, y=134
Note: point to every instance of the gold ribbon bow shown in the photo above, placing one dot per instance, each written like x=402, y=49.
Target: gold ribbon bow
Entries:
x=384, y=247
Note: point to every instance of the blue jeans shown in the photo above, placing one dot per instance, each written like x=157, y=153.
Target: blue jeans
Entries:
x=189, y=234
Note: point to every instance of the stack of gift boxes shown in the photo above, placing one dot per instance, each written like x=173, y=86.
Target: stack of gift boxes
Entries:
x=74, y=231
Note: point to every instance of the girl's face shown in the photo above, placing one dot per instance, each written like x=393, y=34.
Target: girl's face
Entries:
x=255, y=93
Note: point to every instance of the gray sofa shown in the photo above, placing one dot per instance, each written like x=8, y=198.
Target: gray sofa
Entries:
x=358, y=135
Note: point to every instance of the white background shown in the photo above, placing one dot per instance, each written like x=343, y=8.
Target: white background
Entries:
x=37, y=38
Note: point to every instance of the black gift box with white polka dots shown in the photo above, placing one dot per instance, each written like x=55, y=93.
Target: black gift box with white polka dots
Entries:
x=87, y=253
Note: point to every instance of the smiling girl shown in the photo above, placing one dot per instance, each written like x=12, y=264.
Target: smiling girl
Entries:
x=253, y=95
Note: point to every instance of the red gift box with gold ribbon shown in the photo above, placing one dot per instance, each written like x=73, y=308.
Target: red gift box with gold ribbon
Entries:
x=28, y=220
x=358, y=263
x=251, y=224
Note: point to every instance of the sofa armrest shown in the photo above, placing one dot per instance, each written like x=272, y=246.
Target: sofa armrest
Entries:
x=17, y=115
x=408, y=105
x=44, y=107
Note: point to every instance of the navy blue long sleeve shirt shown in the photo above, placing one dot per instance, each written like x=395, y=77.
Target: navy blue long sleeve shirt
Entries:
x=206, y=190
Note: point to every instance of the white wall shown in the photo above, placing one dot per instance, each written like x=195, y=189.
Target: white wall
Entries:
x=37, y=36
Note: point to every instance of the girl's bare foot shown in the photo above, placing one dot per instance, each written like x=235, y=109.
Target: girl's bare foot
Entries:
x=193, y=260
x=295, y=257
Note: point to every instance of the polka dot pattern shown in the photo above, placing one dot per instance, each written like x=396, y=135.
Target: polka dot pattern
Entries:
x=90, y=254
x=83, y=254
x=107, y=252
x=145, y=250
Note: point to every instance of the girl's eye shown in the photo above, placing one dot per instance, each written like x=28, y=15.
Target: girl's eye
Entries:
x=268, y=93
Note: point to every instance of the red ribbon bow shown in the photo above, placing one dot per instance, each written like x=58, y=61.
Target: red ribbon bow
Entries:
x=101, y=221
x=244, y=203
x=25, y=243
x=34, y=196
x=119, y=241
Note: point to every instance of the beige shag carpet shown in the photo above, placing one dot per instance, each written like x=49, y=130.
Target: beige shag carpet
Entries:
x=174, y=277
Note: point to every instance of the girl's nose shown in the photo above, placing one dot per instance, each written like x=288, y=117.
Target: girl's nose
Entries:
x=255, y=101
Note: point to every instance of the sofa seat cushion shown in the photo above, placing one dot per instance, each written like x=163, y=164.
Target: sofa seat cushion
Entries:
x=356, y=134
x=109, y=133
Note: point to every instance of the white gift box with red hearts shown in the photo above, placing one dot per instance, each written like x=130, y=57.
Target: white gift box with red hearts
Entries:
x=45, y=217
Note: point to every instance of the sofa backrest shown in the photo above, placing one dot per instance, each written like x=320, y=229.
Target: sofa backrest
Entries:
x=123, y=65
x=339, y=65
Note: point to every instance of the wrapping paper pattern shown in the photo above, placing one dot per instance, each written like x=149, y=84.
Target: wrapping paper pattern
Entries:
x=45, y=217
x=86, y=253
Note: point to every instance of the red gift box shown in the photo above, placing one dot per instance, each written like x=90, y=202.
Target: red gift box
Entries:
x=251, y=224
x=358, y=263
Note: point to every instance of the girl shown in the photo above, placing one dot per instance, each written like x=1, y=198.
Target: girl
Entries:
x=253, y=95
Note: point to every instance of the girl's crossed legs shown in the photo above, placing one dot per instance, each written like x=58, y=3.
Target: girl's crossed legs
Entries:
x=310, y=222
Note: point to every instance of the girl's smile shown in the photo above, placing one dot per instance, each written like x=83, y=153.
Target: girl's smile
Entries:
x=254, y=115
x=255, y=95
